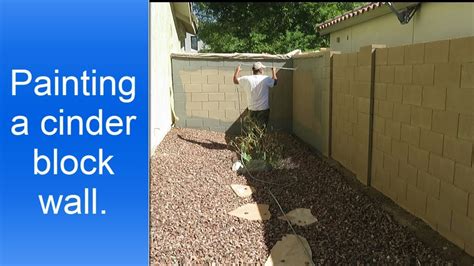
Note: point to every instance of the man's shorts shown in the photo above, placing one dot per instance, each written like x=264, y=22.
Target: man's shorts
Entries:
x=260, y=117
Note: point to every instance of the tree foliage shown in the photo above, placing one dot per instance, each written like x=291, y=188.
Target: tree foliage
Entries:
x=276, y=27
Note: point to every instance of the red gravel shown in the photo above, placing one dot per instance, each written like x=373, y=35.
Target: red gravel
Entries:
x=190, y=198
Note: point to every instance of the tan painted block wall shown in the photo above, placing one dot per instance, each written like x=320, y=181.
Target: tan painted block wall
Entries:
x=311, y=97
x=206, y=97
x=424, y=133
x=351, y=93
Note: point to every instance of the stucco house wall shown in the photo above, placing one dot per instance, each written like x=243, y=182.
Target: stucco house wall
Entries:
x=167, y=35
x=431, y=22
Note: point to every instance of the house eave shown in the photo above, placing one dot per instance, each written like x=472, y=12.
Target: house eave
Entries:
x=384, y=10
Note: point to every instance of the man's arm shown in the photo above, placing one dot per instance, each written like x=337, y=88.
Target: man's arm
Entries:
x=274, y=77
x=236, y=75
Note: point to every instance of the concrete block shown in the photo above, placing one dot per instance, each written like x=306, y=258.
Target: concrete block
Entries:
x=362, y=120
x=408, y=173
x=386, y=144
x=210, y=105
x=466, y=127
x=192, y=87
x=227, y=88
x=396, y=55
x=464, y=178
x=362, y=89
x=363, y=105
x=418, y=158
x=215, y=63
x=180, y=62
x=461, y=50
x=431, y=141
x=415, y=53
x=460, y=100
x=194, y=123
x=193, y=106
x=200, y=113
x=423, y=74
x=211, y=123
x=216, y=96
x=181, y=78
x=437, y=52
x=442, y=168
x=447, y=75
x=228, y=79
x=403, y=74
x=232, y=114
x=217, y=114
x=416, y=200
x=394, y=93
x=197, y=62
x=363, y=73
x=390, y=164
x=227, y=106
x=412, y=94
x=215, y=79
x=462, y=226
x=467, y=75
x=399, y=187
x=198, y=79
x=429, y=184
x=438, y=212
x=379, y=124
x=209, y=71
x=455, y=239
x=445, y=122
x=386, y=74
x=199, y=97
x=380, y=179
x=434, y=97
x=402, y=113
x=400, y=150
x=410, y=135
x=380, y=91
x=181, y=96
x=385, y=109
x=231, y=96
x=381, y=56
x=393, y=129
x=454, y=196
x=458, y=150
x=421, y=117
x=210, y=88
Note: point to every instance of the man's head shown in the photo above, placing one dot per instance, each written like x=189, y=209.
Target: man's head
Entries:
x=257, y=68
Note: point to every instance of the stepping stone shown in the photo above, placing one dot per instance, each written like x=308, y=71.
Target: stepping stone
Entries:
x=300, y=216
x=290, y=251
x=242, y=190
x=251, y=211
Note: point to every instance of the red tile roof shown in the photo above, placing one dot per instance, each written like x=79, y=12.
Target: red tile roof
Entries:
x=350, y=14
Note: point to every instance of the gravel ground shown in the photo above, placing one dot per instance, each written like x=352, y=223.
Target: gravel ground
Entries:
x=190, y=198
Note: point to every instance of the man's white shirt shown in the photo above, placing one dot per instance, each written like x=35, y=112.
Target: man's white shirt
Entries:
x=257, y=90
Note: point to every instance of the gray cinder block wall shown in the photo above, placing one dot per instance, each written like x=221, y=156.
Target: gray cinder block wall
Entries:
x=206, y=97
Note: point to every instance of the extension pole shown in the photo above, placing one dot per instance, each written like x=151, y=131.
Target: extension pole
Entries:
x=285, y=68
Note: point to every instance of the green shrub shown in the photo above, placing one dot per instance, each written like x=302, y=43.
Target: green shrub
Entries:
x=256, y=143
